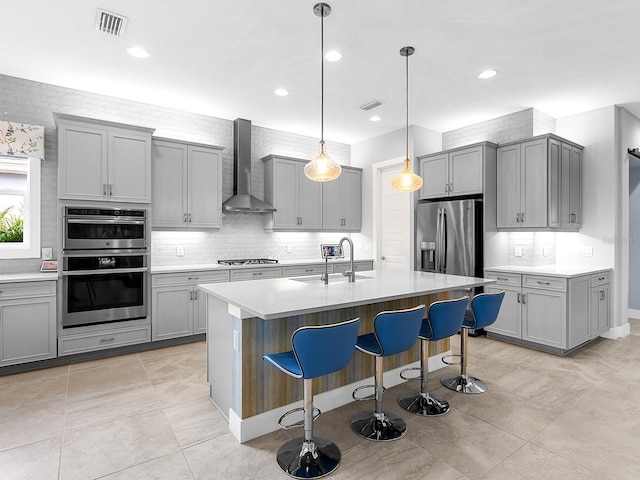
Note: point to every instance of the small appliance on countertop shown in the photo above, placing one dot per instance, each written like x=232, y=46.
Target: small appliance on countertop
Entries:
x=248, y=261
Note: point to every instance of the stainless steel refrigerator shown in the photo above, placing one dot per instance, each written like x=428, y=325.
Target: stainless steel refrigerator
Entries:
x=449, y=237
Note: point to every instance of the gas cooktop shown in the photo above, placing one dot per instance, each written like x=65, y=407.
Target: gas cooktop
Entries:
x=248, y=261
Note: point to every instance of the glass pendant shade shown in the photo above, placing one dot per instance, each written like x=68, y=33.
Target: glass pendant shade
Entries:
x=322, y=168
x=406, y=181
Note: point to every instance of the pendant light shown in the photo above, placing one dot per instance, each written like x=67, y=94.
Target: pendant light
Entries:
x=322, y=168
x=407, y=181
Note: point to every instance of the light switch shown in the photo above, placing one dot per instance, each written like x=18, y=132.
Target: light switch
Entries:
x=289, y=248
x=47, y=253
x=518, y=252
x=180, y=251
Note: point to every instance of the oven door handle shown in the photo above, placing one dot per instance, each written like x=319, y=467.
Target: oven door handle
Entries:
x=105, y=220
x=102, y=271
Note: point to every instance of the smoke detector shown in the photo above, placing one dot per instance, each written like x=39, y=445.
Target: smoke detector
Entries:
x=110, y=23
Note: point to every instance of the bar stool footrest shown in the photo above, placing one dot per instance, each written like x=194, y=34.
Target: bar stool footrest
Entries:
x=447, y=360
x=404, y=377
x=463, y=384
x=299, y=458
x=368, y=397
x=316, y=414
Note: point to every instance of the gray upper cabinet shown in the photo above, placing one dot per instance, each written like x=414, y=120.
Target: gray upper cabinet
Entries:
x=538, y=184
x=342, y=201
x=455, y=172
x=298, y=200
x=103, y=160
x=187, y=185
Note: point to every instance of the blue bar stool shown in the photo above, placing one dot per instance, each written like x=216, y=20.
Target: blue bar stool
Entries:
x=484, y=311
x=394, y=332
x=444, y=319
x=317, y=350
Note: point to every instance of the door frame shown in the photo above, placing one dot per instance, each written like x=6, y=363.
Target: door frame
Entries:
x=410, y=203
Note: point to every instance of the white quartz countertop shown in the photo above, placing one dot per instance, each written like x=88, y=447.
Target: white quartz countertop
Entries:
x=283, y=297
x=27, y=277
x=217, y=266
x=566, y=271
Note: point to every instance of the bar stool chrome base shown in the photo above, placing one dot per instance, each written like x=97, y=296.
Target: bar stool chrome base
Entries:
x=424, y=404
x=380, y=427
x=308, y=459
x=463, y=383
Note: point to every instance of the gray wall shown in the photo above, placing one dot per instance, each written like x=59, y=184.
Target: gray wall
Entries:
x=33, y=102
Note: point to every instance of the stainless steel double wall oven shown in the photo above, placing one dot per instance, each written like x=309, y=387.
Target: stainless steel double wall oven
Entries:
x=105, y=265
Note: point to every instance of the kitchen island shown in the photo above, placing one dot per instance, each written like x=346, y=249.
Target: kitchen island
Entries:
x=247, y=320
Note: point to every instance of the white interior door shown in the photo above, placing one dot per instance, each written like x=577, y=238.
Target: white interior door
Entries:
x=393, y=222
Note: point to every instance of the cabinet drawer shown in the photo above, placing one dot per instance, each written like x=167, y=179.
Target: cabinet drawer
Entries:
x=357, y=266
x=159, y=279
x=547, y=283
x=303, y=270
x=504, y=278
x=102, y=340
x=27, y=289
x=600, y=278
x=255, y=273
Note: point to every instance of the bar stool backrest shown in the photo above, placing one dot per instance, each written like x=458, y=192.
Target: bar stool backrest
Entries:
x=397, y=330
x=485, y=307
x=445, y=317
x=324, y=349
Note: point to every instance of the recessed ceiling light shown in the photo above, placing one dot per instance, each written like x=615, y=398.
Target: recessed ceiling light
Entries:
x=281, y=92
x=488, y=74
x=375, y=118
x=138, y=52
x=332, y=56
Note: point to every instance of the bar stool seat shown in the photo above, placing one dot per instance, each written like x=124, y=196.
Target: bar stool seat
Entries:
x=394, y=332
x=444, y=319
x=484, y=311
x=317, y=351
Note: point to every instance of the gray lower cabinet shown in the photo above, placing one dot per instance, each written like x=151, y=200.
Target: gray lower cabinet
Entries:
x=177, y=308
x=27, y=322
x=555, y=313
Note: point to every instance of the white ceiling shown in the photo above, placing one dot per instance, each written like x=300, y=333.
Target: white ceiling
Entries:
x=225, y=58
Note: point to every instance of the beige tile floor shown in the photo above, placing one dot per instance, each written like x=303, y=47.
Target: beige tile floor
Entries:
x=147, y=416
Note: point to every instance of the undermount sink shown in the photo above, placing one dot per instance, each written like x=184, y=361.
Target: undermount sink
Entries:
x=333, y=278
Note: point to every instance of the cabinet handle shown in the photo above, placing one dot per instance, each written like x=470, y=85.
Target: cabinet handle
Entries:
x=518, y=298
x=446, y=187
x=105, y=340
x=601, y=278
x=257, y=273
x=543, y=283
x=524, y=297
x=193, y=278
x=504, y=279
x=602, y=295
x=450, y=187
x=111, y=189
x=185, y=218
x=189, y=216
x=518, y=218
x=190, y=294
x=572, y=218
x=195, y=294
x=522, y=217
x=308, y=270
x=104, y=189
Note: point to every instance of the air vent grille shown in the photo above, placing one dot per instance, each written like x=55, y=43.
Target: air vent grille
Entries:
x=371, y=105
x=110, y=23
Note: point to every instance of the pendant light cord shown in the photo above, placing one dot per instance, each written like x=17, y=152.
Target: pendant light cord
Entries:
x=407, y=136
x=322, y=75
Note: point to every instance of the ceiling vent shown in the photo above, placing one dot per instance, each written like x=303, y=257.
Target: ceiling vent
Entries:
x=371, y=105
x=110, y=23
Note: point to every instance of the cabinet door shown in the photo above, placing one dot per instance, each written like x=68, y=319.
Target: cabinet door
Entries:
x=508, y=183
x=556, y=171
x=509, y=321
x=575, y=188
x=199, y=311
x=129, y=168
x=351, y=199
x=533, y=191
x=169, y=207
x=27, y=330
x=82, y=163
x=310, y=201
x=204, y=204
x=171, y=312
x=435, y=176
x=599, y=314
x=284, y=191
x=332, y=204
x=466, y=172
x=544, y=317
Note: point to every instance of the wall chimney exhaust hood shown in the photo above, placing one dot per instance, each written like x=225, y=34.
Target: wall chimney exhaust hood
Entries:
x=242, y=200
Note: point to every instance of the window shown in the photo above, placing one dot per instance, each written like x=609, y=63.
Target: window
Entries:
x=19, y=207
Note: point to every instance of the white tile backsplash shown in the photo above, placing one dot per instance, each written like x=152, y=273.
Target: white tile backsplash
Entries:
x=538, y=248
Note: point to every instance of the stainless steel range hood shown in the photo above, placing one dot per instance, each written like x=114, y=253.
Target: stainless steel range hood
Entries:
x=242, y=200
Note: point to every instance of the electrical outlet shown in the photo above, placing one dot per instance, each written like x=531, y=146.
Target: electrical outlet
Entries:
x=544, y=251
x=518, y=252
x=180, y=251
x=585, y=252
x=367, y=247
x=47, y=253
x=289, y=248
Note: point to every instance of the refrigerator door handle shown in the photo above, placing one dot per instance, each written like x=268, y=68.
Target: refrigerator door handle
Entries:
x=437, y=252
x=443, y=225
